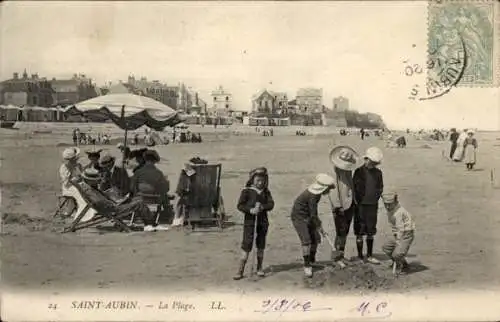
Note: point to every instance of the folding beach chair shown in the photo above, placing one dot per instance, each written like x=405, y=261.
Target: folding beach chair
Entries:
x=204, y=202
x=88, y=215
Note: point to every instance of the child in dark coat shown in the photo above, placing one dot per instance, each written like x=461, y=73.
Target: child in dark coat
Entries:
x=368, y=188
x=255, y=201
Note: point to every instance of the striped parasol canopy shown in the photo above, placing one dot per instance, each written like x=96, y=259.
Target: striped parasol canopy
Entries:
x=127, y=111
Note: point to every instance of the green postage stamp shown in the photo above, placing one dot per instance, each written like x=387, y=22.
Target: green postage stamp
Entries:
x=471, y=27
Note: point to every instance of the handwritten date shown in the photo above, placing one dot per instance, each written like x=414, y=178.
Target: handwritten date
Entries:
x=286, y=305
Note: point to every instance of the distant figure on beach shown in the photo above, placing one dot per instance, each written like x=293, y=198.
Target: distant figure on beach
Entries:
x=470, y=147
x=362, y=133
x=458, y=156
x=401, y=142
x=453, y=140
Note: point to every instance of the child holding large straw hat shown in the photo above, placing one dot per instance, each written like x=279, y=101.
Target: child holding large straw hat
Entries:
x=368, y=188
x=305, y=218
x=345, y=160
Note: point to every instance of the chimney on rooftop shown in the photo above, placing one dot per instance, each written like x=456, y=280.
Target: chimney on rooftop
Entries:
x=16, y=75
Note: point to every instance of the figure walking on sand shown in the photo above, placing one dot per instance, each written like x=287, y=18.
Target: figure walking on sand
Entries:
x=255, y=201
x=345, y=161
x=470, y=147
x=368, y=188
x=458, y=156
x=453, y=139
x=305, y=219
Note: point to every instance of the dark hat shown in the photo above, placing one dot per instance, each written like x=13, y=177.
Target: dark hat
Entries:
x=198, y=160
x=258, y=171
x=151, y=155
x=139, y=153
x=261, y=171
x=94, y=154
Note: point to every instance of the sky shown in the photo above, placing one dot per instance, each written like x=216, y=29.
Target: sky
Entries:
x=353, y=49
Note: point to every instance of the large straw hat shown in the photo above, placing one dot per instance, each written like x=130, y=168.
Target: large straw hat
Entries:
x=91, y=174
x=71, y=153
x=374, y=154
x=344, y=158
x=322, y=182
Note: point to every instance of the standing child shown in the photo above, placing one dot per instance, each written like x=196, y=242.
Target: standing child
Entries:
x=368, y=187
x=255, y=201
x=403, y=232
x=470, y=147
x=305, y=219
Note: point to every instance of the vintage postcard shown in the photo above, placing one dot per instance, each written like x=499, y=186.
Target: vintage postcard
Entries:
x=248, y=161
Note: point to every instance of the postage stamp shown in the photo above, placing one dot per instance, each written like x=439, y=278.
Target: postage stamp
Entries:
x=477, y=24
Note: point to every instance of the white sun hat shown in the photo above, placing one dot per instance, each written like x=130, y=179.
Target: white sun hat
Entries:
x=322, y=182
x=374, y=154
x=71, y=153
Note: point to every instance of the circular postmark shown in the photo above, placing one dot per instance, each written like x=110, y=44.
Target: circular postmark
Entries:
x=445, y=67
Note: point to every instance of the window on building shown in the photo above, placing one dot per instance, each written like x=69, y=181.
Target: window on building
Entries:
x=227, y=98
x=227, y=106
x=35, y=101
x=215, y=98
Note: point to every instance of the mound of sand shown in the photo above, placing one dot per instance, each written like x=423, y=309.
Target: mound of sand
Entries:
x=31, y=223
x=353, y=277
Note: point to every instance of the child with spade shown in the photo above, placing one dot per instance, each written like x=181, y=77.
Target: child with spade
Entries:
x=255, y=201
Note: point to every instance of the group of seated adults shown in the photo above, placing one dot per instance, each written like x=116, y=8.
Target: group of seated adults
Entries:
x=109, y=188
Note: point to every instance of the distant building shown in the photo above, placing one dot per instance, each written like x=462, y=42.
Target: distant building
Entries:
x=270, y=103
x=340, y=104
x=171, y=97
x=27, y=91
x=222, y=102
x=71, y=91
x=310, y=100
x=178, y=97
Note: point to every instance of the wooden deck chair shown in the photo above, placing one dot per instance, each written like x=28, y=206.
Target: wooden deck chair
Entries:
x=205, y=204
x=86, y=216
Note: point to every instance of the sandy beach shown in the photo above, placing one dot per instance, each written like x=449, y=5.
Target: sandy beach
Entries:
x=457, y=242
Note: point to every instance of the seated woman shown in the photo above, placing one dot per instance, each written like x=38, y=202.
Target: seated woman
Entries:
x=137, y=158
x=70, y=170
x=148, y=180
x=183, y=190
x=90, y=188
x=115, y=182
x=70, y=173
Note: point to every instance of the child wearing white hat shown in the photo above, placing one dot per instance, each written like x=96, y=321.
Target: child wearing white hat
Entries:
x=368, y=187
x=403, y=231
x=69, y=170
x=305, y=218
